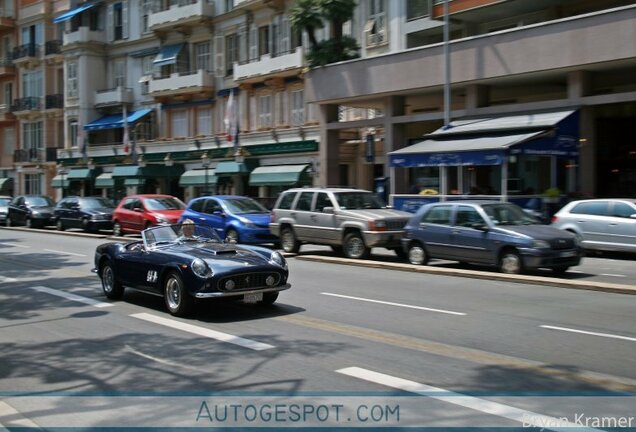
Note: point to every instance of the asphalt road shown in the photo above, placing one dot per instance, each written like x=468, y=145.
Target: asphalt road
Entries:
x=477, y=352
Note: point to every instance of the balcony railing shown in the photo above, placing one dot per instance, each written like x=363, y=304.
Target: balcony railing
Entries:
x=187, y=82
x=268, y=64
x=114, y=96
x=84, y=35
x=53, y=47
x=181, y=13
x=26, y=104
x=27, y=50
x=54, y=101
x=47, y=154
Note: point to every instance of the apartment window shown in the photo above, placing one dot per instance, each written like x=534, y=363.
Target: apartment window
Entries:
x=265, y=111
x=8, y=94
x=72, y=130
x=298, y=108
x=32, y=136
x=6, y=50
x=9, y=141
x=32, y=35
x=32, y=84
x=146, y=74
x=375, y=29
x=146, y=10
x=416, y=9
x=118, y=21
x=229, y=5
x=204, y=121
x=231, y=53
x=119, y=73
x=71, y=79
x=179, y=124
x=32, y=184
x=203, y=56
x=263, y=40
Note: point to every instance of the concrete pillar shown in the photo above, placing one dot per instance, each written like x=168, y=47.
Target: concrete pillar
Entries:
x=394, y=139
x=579, y=83
x=476, y=96
x=328, y=166
x=587, y=152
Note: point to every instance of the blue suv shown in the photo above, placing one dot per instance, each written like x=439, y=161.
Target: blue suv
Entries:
x=234, y=218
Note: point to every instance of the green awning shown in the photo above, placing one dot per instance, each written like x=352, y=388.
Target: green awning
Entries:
x=6, y=183
x=127, y=171
x=135, y=171
x=104, y=181
x=230, y=168
x=134, y=182
x=279, y=175
x=59, y=181
x=81, y=174
x=197, y=178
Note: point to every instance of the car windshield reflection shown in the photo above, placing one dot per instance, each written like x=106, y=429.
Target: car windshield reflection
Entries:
x=358, y=201
x=170, y=235
x=508, y=214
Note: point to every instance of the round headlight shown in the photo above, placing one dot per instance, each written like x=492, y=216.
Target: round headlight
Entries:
x=278, y=259
x=200, y=268
x=270, y=281
x=229, y=285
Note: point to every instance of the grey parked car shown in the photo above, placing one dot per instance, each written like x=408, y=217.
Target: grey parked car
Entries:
x=349, y=220
x=490, y=233
x=4, y=207
x=600, y=224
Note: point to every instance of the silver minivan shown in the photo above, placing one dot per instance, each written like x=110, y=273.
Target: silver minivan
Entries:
x=601, y=224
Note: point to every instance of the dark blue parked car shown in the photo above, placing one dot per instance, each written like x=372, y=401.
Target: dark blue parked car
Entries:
x=88, y=213
x=234, y=218
x=490, y=233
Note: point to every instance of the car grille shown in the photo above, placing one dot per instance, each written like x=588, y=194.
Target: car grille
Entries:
x=248, y=280
x=393, y=225
x=562, y=244
x=102, y=217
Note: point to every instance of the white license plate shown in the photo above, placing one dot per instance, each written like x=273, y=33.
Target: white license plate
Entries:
x=253, y=298
x=568, y=254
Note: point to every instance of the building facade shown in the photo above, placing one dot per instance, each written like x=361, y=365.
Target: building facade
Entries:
x=506, y=58
x=8, y=124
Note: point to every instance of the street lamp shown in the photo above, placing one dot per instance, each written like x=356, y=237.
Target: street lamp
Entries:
x=205, y=161
x=168, y=160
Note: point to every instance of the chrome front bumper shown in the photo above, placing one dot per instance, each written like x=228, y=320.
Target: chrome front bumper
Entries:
x=224, y=294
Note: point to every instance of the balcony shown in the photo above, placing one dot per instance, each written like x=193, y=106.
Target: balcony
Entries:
x=54, y=105
x=26, y=56
x=181, y=17
x=48, y=154
x=6, y=68
x=35, y=10
x=113, y=97
x=183, y=85
x=84, y=35
x=5, y=113
x=285, y=64
x=53, y=51
x=7, y=21
x=27, y=107
x=253, y=5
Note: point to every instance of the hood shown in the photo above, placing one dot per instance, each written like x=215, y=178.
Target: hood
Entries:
x=375, y=214
x=100, y=211
x=257, y=218
x=172, y=215
x=536, y=232
x=42, y=209
x=224, y=255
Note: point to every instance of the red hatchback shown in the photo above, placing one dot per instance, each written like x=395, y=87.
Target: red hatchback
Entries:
x=135, y=213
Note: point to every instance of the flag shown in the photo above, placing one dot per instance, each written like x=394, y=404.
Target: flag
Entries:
x=126, y=138
x=231, y=120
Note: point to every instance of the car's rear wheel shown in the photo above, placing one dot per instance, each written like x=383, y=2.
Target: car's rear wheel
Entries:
x=112, y=288
x=8, y=222
x=417, y=254
x=178, y=301
x=231, y=236
x=288, y=241
x=28, y=223
x=354, y=246
x=117, y=229
x=510, y=262
x=269, y=299
x=60, y=225
x=86, y=225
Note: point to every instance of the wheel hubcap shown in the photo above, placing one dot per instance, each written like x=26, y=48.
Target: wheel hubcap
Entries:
x=510, y=264
x=416, y=255
x=288, y=241
x=232, y=236
x=116, y=229
x=173, y=295
x=355, y=247
x=107, y=279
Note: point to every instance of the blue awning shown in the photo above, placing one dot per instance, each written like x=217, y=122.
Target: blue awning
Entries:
x=167, y=55
x=70, y=14
x=117, y=120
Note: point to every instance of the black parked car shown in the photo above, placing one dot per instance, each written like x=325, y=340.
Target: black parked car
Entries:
x=30, y=210
x=88, y=213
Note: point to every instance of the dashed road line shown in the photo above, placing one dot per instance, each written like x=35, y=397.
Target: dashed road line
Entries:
x=205, y=332
x=394, y=304
x=72, y=297
x=6, y=279
x=571, y=330
x=64, y=253
x=527, y=418
x=15, y=245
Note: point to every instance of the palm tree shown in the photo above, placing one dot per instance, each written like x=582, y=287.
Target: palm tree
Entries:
x=306, y=15
x=337, y=12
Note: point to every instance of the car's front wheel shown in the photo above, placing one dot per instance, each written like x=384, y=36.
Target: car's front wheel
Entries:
x=231, y=236
x=28, y=223
x=354, y=246
x=112, y=288
x=117, y=229
x=8, y=222
x=510, y=262
x=269, y=299
x=178, y=301
x=417, y=254
x=60, y=225
x=288, y=241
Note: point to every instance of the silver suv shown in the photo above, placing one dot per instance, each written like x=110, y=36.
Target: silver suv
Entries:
x=349, y=220
x=601, y=224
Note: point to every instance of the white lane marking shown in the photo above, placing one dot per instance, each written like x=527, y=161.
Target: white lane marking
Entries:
x=613, y=275
x=607, y=335
x=489, y=407
x=7, y=412
x=202, y=331
x=64, y=253
x=6, y=279
x=73, y=297
x=15, y=245
x=394, y=304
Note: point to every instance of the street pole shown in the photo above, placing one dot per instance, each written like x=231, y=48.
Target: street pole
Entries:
x=447, y=98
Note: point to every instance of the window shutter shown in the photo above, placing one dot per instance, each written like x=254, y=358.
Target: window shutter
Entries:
x=253, y=113
x=284, y=35
x=124, y=19
x=110, y=23
x=243, y=44
x=219, y=56
x=253, y=43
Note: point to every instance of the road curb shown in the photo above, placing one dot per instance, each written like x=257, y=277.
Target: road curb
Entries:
x=476, y=274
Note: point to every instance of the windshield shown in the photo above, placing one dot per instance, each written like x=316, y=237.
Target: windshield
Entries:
x=167, y=235
x=93, y=203
x=4, y=202
x=358, y=200
x=508, y=214
x=244, y=206
x=39, y=202
x=164, y=203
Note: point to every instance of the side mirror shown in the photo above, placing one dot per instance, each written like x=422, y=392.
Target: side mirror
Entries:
x=328, y=210
x=138, y=210
x=479, y=226
x=218, y=213
x=75, y=206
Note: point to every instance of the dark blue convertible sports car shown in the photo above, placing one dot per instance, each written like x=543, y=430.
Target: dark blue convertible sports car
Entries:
x=186, y=262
